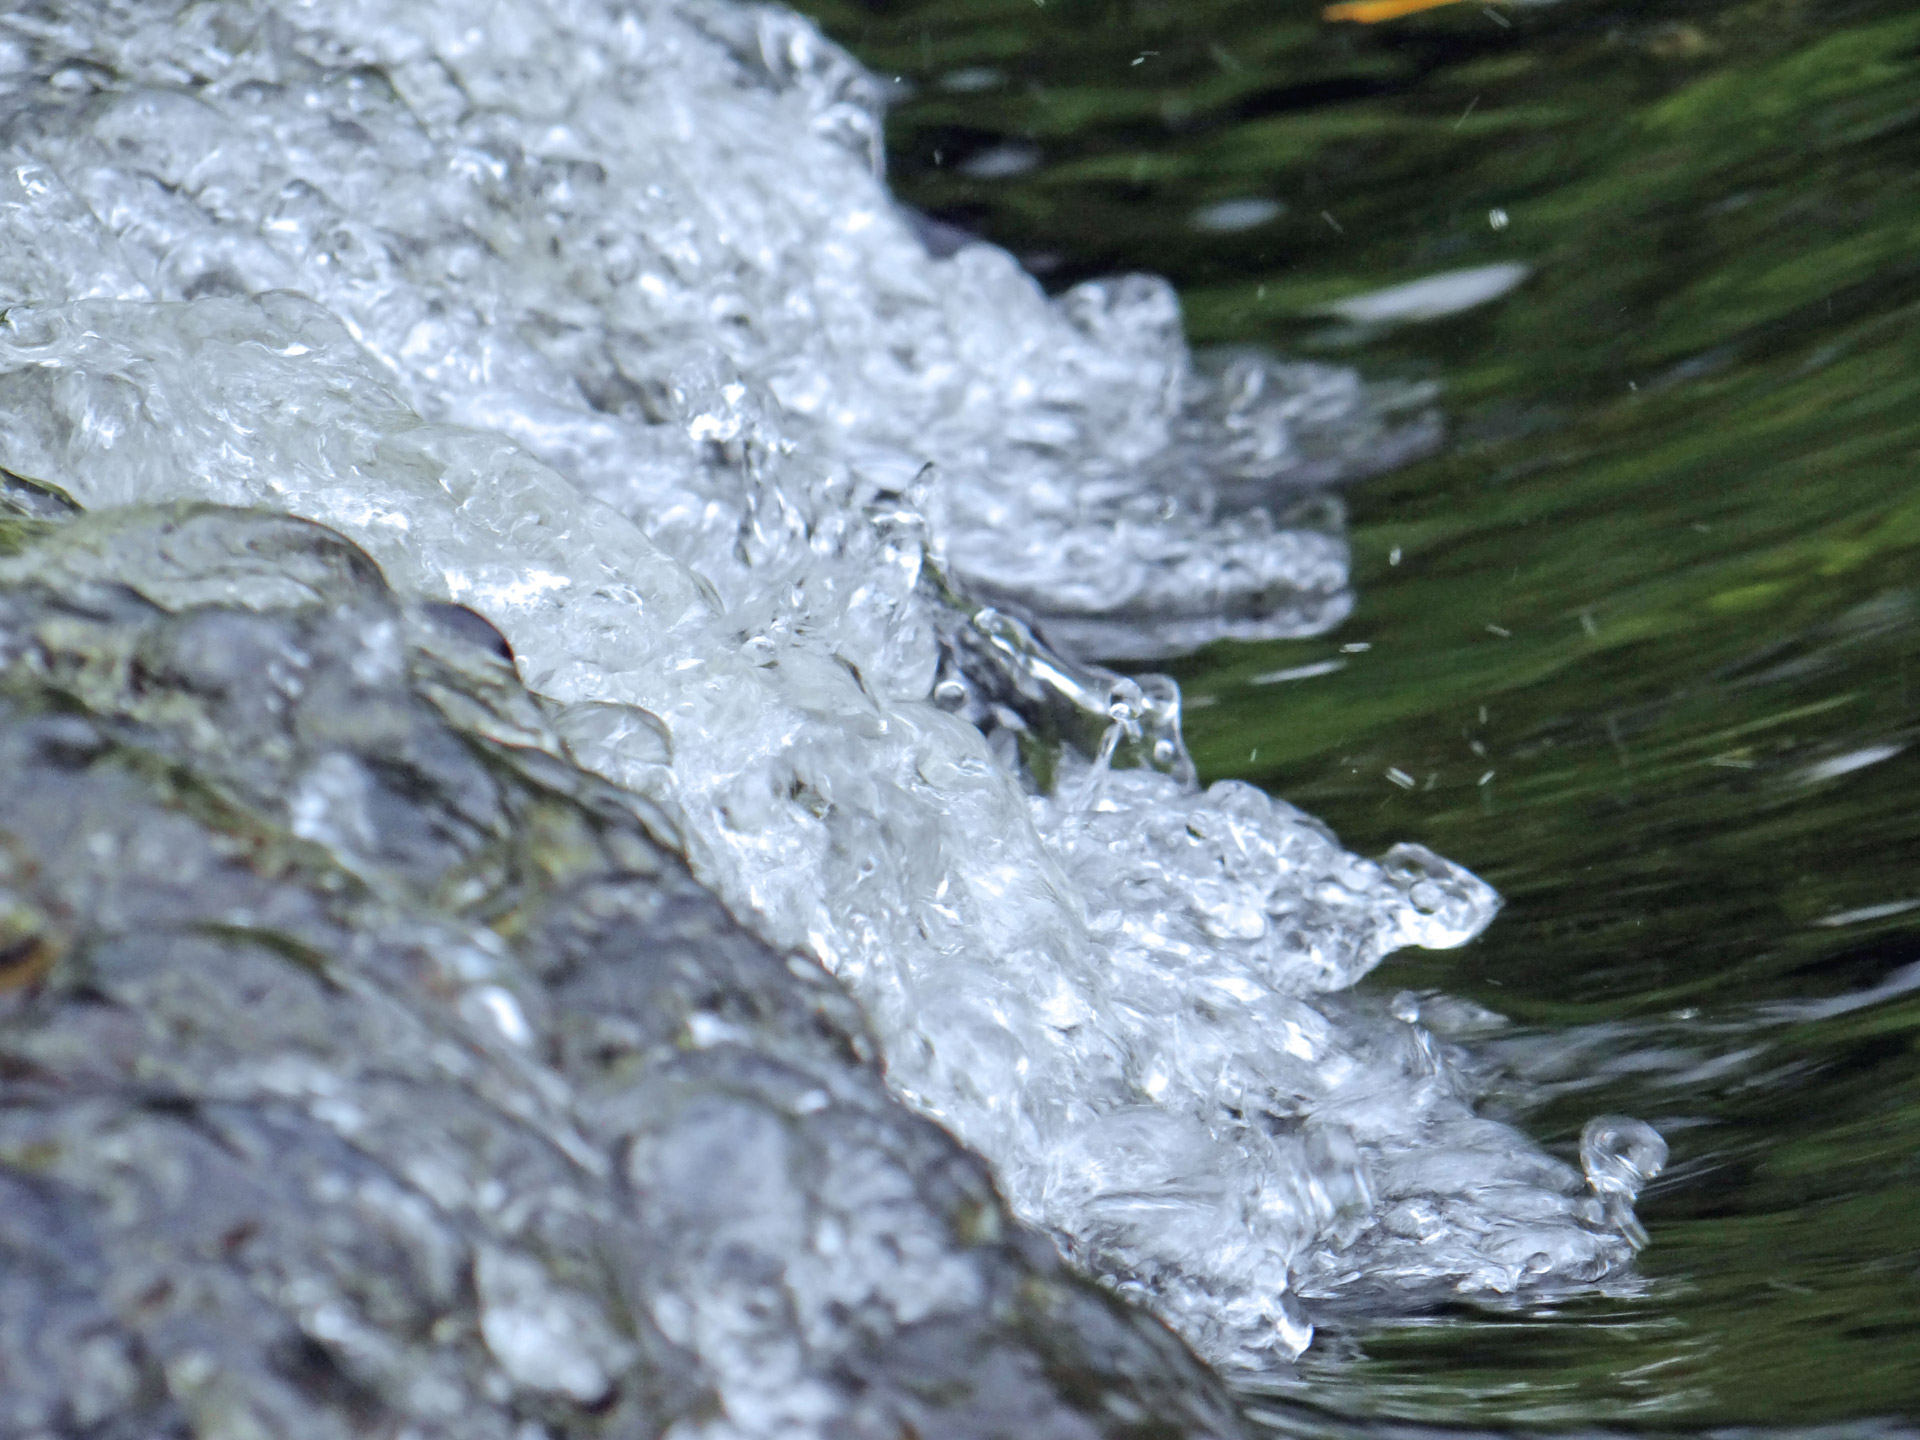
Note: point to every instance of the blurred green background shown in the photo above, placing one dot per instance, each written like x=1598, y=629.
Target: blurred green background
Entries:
x=1643, y=639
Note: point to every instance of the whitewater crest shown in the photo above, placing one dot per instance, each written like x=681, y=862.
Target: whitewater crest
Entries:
x=598, y=319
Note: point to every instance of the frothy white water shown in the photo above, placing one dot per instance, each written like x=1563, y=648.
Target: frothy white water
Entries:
x=596, y=317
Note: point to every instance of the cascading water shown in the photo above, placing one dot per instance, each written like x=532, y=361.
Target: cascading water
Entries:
x=596, y=318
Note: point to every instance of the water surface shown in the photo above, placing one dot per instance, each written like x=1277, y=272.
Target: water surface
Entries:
x=1638, y=644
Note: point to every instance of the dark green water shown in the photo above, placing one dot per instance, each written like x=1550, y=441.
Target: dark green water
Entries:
x=1650, y=653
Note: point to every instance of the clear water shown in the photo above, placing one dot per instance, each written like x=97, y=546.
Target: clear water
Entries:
x=1642, y=636
x=597, y=320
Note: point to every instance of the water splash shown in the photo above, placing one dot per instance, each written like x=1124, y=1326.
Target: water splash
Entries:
x=596, y=318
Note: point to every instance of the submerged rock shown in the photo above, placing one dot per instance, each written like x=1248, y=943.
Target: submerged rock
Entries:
x=367, y=1068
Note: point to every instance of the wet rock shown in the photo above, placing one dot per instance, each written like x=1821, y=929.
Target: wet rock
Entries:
x=367, y=1068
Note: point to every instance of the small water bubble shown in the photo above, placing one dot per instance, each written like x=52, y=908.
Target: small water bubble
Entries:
x=1294, y=1330
x=1621, y=1155
x=1498, y=218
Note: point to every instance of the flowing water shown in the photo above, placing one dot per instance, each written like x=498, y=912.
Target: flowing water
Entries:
x=594, y=317
x=1638, y=644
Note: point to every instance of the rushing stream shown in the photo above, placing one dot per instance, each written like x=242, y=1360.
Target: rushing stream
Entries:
x=1638, y=644
x=811, y=518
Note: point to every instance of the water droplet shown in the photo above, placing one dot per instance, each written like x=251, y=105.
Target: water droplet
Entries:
x=1620, y=1155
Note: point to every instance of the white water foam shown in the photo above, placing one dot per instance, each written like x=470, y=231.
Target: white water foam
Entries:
x=597, y=318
